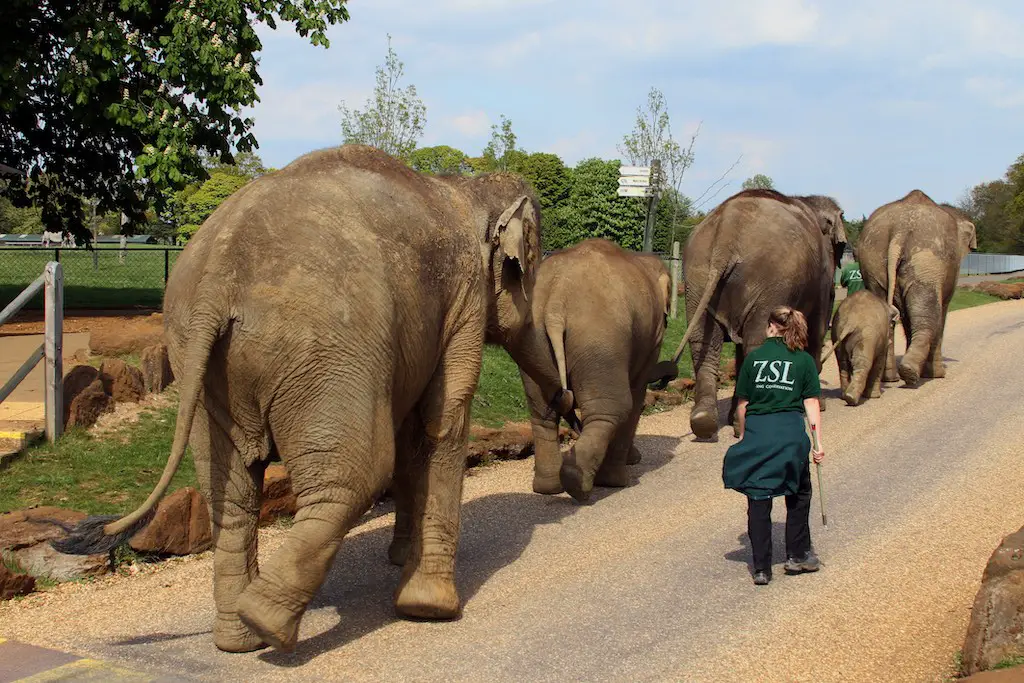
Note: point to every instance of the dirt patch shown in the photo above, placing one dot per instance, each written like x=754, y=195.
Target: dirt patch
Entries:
x=112, y=424
x=111, y=333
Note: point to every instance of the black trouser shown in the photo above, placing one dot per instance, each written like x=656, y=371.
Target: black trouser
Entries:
x=798, y=530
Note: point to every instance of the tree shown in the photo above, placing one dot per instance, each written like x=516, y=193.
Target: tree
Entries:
x=191, y=206
x=758, y=182
x=594, y=209
x=116, y=100
x=548, y=176
x=997, y=209
x=652, y=140
x=393, y=119
x=501, y=154
x=440, y=160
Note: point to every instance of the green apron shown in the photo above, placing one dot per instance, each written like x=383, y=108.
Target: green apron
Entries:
x=770, y=458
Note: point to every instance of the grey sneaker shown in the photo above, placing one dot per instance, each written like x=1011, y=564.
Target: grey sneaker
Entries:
x=762, y=578
x=798, y=565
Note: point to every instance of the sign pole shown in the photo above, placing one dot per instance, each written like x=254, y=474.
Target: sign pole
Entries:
x=652, y=205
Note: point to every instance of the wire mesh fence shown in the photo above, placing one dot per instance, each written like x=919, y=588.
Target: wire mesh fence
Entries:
x=102, y=278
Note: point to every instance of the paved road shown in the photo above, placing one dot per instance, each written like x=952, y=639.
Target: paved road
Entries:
x=650, y=582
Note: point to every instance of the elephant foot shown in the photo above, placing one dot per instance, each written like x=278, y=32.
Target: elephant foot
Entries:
x=231, y=635
x=736, y=431
x=909, y=375
x=614, y=476
x=398, y=551
x=267, y=617
x=935, y=371
x=850, y=399
x=822, y=405
x=634, y=456
x=704, y=422
x=549, y=486
x=427, y=596
x=876, y=393
x=574, y=481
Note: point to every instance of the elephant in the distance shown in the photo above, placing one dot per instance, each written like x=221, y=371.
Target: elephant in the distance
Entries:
x=334, y=313
x=757, y=250
x=860, y=339
x=597, y=319
x=910, y=252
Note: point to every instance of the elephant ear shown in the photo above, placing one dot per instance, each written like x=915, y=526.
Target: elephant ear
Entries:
x=511, y=232
x=665, y=291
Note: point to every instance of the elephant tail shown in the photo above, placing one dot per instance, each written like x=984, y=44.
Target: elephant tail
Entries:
x=714, y=277
x=565, y=402
x=892, y=266
x=835, y=344
x=101, y=533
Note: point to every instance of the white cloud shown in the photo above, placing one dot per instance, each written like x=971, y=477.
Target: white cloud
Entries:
x=302, y=112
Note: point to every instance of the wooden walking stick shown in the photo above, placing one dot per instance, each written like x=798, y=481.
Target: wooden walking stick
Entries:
x=821, y=491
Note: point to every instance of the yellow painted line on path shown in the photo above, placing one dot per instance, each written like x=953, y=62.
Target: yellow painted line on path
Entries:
x=87, y=670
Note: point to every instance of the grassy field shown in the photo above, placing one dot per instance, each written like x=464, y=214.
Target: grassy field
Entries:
x=116, y=473
x=138, y=281
x=966, y=298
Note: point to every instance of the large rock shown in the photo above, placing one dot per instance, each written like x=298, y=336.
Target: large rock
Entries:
x=123, y=382
x=25, y=536
x=1011, y=675
x=156, y=368
x=12, y=585
x=278, y=498
x=76, y=381
x=181, y=526
x=1003, y=290
x=996, y=631
x=88, y=405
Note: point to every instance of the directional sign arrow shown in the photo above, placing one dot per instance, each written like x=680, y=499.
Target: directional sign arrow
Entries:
x=635, y=170
x=634, y=181
x=626, y=191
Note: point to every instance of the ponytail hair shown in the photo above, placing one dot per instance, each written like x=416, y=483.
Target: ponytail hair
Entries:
x=792, y=325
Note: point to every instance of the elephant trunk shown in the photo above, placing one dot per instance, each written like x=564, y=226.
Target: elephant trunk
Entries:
x=98, y=534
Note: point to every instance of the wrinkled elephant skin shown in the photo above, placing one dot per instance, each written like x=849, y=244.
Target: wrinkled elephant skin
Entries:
x=860, y=338
x=596, y=323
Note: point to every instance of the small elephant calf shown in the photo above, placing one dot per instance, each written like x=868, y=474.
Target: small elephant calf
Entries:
x=598, y=314
x=860, y=338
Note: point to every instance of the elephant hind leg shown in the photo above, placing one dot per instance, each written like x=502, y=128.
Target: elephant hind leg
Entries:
x=233, y=493
x=707, y=353
x=339, y=454
x=621, y=451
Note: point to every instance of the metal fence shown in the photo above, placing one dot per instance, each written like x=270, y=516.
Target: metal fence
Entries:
x=991, y=264
x=102, y=278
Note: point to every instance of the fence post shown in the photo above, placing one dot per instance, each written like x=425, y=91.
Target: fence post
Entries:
x=56, y=255
x=53, y=298
x=167, y=265
x=674, y=307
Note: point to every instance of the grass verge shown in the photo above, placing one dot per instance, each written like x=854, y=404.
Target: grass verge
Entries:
x=968, y=298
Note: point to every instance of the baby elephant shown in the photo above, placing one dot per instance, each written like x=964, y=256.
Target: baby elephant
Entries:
x=598, y=316
x=860, y=338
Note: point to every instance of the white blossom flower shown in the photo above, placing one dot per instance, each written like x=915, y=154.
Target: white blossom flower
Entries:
x=88, y=34
x=124, y=93
x=215, y=41
x=163, y=117
x=247, y=68
x=167, y=149
x=213, y=25
x=238, y=60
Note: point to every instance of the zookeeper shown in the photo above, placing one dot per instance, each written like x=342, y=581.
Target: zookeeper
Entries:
x=777, y=386
x=851, y=278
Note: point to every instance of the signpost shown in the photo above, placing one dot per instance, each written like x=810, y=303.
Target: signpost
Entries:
x=643, y=181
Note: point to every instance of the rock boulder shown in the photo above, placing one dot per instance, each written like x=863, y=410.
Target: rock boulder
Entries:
x=76, y=381
x=996, y=631
x=25, y=536
x=121, y=381
x=88, y=405
x=181, y=526
x=278, y=498
x=12, y=585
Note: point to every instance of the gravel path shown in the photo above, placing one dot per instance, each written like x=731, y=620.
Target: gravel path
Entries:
x=650, y=582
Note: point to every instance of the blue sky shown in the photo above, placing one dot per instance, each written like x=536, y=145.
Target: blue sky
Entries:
x=862, y=100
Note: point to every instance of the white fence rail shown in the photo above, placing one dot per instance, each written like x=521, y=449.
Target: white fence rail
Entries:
x=52, y=348
x=991, y=264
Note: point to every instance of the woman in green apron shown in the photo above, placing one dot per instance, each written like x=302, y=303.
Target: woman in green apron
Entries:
x=777, y=386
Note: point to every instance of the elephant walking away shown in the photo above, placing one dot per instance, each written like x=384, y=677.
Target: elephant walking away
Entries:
x=860, y=339
x=598, y=318
x=910, y=252
x=757, y=250
x=334, y=312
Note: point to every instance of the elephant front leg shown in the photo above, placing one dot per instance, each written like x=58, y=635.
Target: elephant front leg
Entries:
x=233, y=494
x=426, y=589
x=622, y=451
x=935, y=366
x=890, y=375
x=735, y=402
x=407, y=460
x=547, y=456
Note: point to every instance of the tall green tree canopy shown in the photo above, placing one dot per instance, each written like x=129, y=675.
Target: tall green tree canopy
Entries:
x=501, y=153
x=439, y=160
x=393, y=118
x=594, y=209
x=758, y=182
x=115, y=99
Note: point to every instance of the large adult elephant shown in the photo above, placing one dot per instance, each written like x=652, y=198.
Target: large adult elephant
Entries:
x=597, y=321
x=909, y=253
x=757, y=250
x=334, y=312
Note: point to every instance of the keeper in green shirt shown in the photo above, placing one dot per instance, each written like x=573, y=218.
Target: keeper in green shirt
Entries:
x=777, y=386
x=851, y=278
